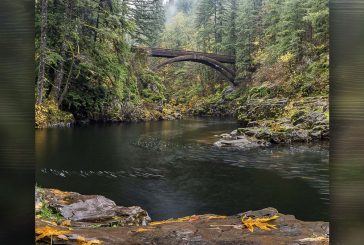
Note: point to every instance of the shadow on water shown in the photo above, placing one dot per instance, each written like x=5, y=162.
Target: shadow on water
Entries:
x=171, y=169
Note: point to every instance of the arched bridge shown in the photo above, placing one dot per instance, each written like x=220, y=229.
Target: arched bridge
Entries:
x=215, y=61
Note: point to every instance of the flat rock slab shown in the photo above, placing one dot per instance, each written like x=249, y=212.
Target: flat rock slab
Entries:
x=206, y=229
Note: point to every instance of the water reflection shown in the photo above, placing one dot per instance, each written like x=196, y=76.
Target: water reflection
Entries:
x=171, y=170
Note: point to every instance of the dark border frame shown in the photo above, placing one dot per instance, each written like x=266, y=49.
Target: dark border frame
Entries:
x=17, y=121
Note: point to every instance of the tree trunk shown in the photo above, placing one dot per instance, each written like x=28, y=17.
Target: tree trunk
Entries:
x=58, y=81
x=65, y=89
x=233, y=37
x=215, y=26
x=67, y=39
x=43, y=46
x=97, y=21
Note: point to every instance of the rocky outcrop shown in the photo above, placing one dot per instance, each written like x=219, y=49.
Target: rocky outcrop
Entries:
x=279, y=121
x=258, y=109
x=86, y=210
x=198, y=229
x=239, y=141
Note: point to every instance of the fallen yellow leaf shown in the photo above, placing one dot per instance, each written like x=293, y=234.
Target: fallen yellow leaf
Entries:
x=143, y=229
x=216, y=217
x=91, y=242
x=315, y=239
x=261, y=223
x=66, y=223
x=83, y=241
x=48, y=231
x=184, y=219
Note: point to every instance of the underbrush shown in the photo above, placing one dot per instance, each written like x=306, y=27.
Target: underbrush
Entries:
x=48, y=114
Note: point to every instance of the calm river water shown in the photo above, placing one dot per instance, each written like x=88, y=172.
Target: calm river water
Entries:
x=171, y=169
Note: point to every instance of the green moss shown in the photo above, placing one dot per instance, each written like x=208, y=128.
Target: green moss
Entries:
x=151, y=96
x=259, y=92
x=49, y=213
x=327, y=115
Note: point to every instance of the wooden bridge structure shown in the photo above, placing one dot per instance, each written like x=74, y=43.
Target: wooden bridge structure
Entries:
x=218, y=62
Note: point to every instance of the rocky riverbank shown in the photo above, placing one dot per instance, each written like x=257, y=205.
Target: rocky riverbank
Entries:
x=279, y=121
x=72, y=218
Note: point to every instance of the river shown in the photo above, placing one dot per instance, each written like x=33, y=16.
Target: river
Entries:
x=171, y=169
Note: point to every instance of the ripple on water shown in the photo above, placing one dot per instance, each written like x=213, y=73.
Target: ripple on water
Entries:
x=133, y=172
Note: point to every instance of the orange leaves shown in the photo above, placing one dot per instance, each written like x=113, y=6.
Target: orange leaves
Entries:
x=261, y=223
x=53, y=232
x=184, y=219
x=48, y=231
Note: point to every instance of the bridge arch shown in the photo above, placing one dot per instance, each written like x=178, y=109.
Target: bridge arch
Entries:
x=220, y=67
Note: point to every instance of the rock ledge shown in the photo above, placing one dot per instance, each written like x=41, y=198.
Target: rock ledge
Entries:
x=197, y=229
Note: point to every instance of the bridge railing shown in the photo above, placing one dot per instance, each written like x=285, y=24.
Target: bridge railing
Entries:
x=172, y=53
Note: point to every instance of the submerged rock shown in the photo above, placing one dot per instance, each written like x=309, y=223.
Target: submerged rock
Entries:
x=239, y=141
x=90, y=210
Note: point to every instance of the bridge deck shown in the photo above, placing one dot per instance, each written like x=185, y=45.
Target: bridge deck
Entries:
x=172, y=53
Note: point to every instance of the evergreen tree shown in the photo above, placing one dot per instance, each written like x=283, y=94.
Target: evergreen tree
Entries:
x=230, y=38
x=148, y=17
x=249, y=25
x=291, y=30
x=210, y=24
x=185, y=6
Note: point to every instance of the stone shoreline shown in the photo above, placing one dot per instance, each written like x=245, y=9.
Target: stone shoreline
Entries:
x=279, y=121
x=94, y=219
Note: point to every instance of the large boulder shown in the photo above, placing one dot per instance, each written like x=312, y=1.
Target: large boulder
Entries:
x=86, y=210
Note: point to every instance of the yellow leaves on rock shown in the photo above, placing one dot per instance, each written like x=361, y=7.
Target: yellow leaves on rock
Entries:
x=83, y=241
x=59, y=193
x=66, y=223
x=186, y=219
x=179, y=220
x=315, y=239
x=261, y=223
x=52, y=232
x=48, y=231
x=143, y=229
x=216, y=217
x=92, y=242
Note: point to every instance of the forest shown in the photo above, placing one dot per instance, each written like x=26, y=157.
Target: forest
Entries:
x=194, y=155
x=87, y=67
